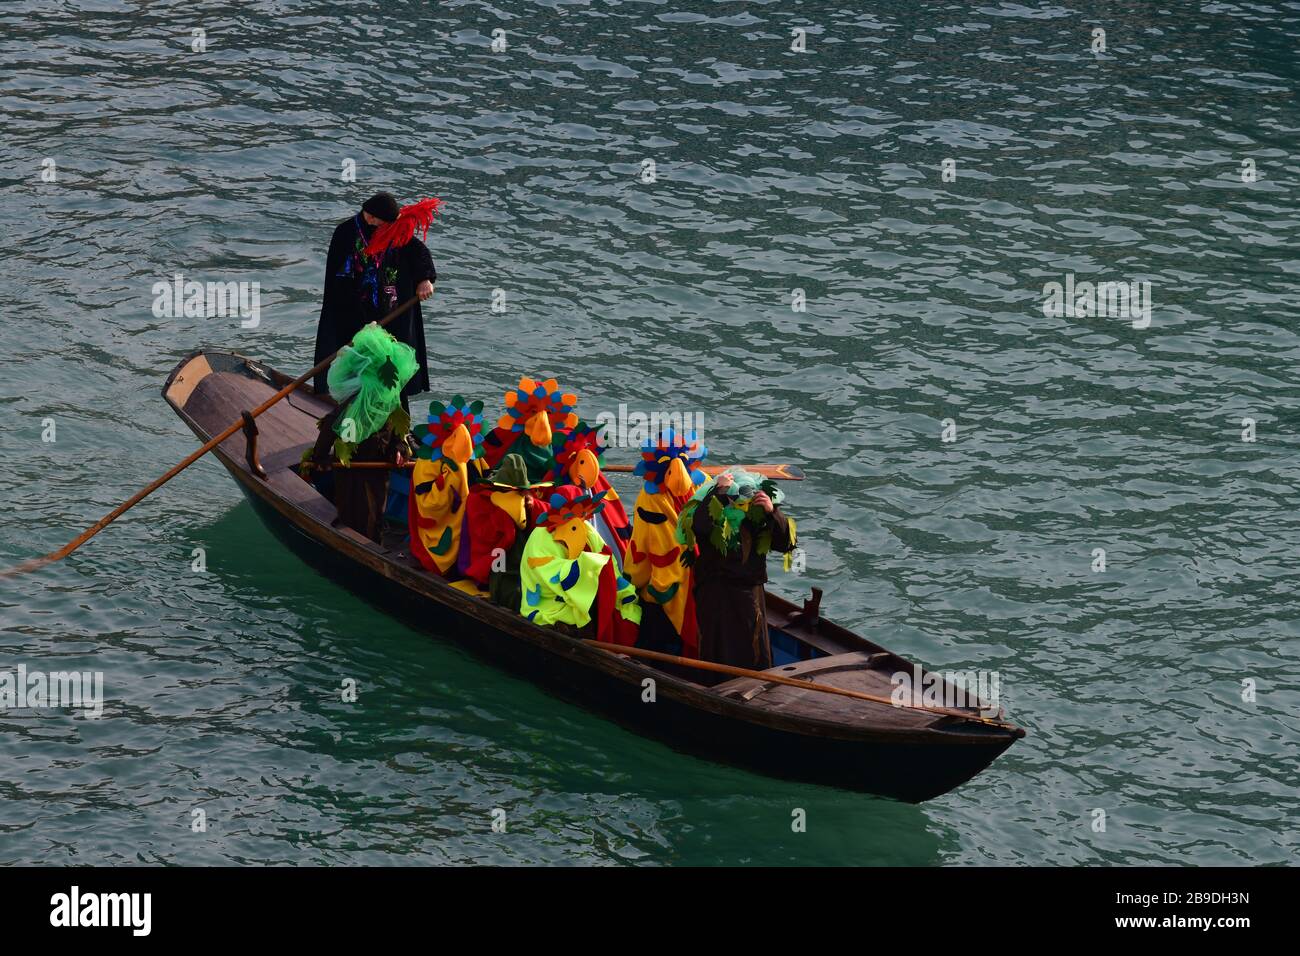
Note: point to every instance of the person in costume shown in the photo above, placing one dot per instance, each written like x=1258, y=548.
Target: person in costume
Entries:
x=535, y=413
x=374, y=264
x=577, y=459
x=369, y=424
x=568, y=576
x=734, y=521
x=500, y=511
x=669, y=466
x=447, y=443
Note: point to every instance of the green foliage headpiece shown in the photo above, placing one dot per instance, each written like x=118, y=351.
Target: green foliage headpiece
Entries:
x=369, y=375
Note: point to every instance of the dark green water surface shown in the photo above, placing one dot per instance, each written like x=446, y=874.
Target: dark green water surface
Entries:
x=776, y=171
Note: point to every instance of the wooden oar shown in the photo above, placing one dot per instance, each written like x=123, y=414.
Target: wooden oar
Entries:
x=157, y=483
x=777, y=472
x=768, y=677
x=353, y=466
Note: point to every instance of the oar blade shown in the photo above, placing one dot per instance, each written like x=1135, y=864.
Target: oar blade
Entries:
x=784, y=472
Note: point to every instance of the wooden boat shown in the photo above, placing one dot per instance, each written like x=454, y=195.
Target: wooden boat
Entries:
x=783, y=731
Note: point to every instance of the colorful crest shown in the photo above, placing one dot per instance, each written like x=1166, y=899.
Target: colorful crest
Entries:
x=657, y=454
x=568, y=445
x=531, y=397
x=443, y=422
x=567, y=503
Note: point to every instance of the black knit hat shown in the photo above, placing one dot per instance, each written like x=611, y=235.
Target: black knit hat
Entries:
x=382, y=206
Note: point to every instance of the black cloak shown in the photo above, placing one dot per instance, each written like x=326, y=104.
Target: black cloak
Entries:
x=359, y=290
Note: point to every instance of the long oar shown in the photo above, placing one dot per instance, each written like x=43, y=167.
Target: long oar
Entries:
x=786, y=472
x=768, y=677
x=777, y=472
x=102, y=523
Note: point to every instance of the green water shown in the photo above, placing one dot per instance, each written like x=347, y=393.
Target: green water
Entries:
x=776, y=171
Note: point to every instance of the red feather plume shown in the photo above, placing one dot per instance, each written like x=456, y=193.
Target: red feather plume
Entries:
x=395, y=234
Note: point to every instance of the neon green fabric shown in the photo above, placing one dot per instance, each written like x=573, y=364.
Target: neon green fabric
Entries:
x=559, y=589
x=546, y=568
x=369, y=375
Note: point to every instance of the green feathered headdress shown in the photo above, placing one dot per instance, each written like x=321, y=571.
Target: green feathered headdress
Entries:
x=369, y=375
x=727, y=519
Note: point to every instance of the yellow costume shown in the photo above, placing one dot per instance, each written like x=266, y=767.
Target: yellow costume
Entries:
x=440, y=482
x=653, y=562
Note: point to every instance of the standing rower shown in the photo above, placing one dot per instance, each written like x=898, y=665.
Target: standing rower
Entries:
x=374, y=263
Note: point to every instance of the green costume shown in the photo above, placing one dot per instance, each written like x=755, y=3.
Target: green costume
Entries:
x=547, y=599
x=367, y=379
x=369, y=425
x=569, y=576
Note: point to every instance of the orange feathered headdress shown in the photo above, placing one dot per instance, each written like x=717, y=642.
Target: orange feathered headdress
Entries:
x=395, y=234
x=533, y=396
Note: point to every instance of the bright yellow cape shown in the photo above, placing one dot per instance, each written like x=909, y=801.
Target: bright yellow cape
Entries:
x=652, y=562
x=441, y=538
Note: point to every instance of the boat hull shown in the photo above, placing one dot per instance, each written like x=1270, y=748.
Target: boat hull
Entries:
x=908, y=763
